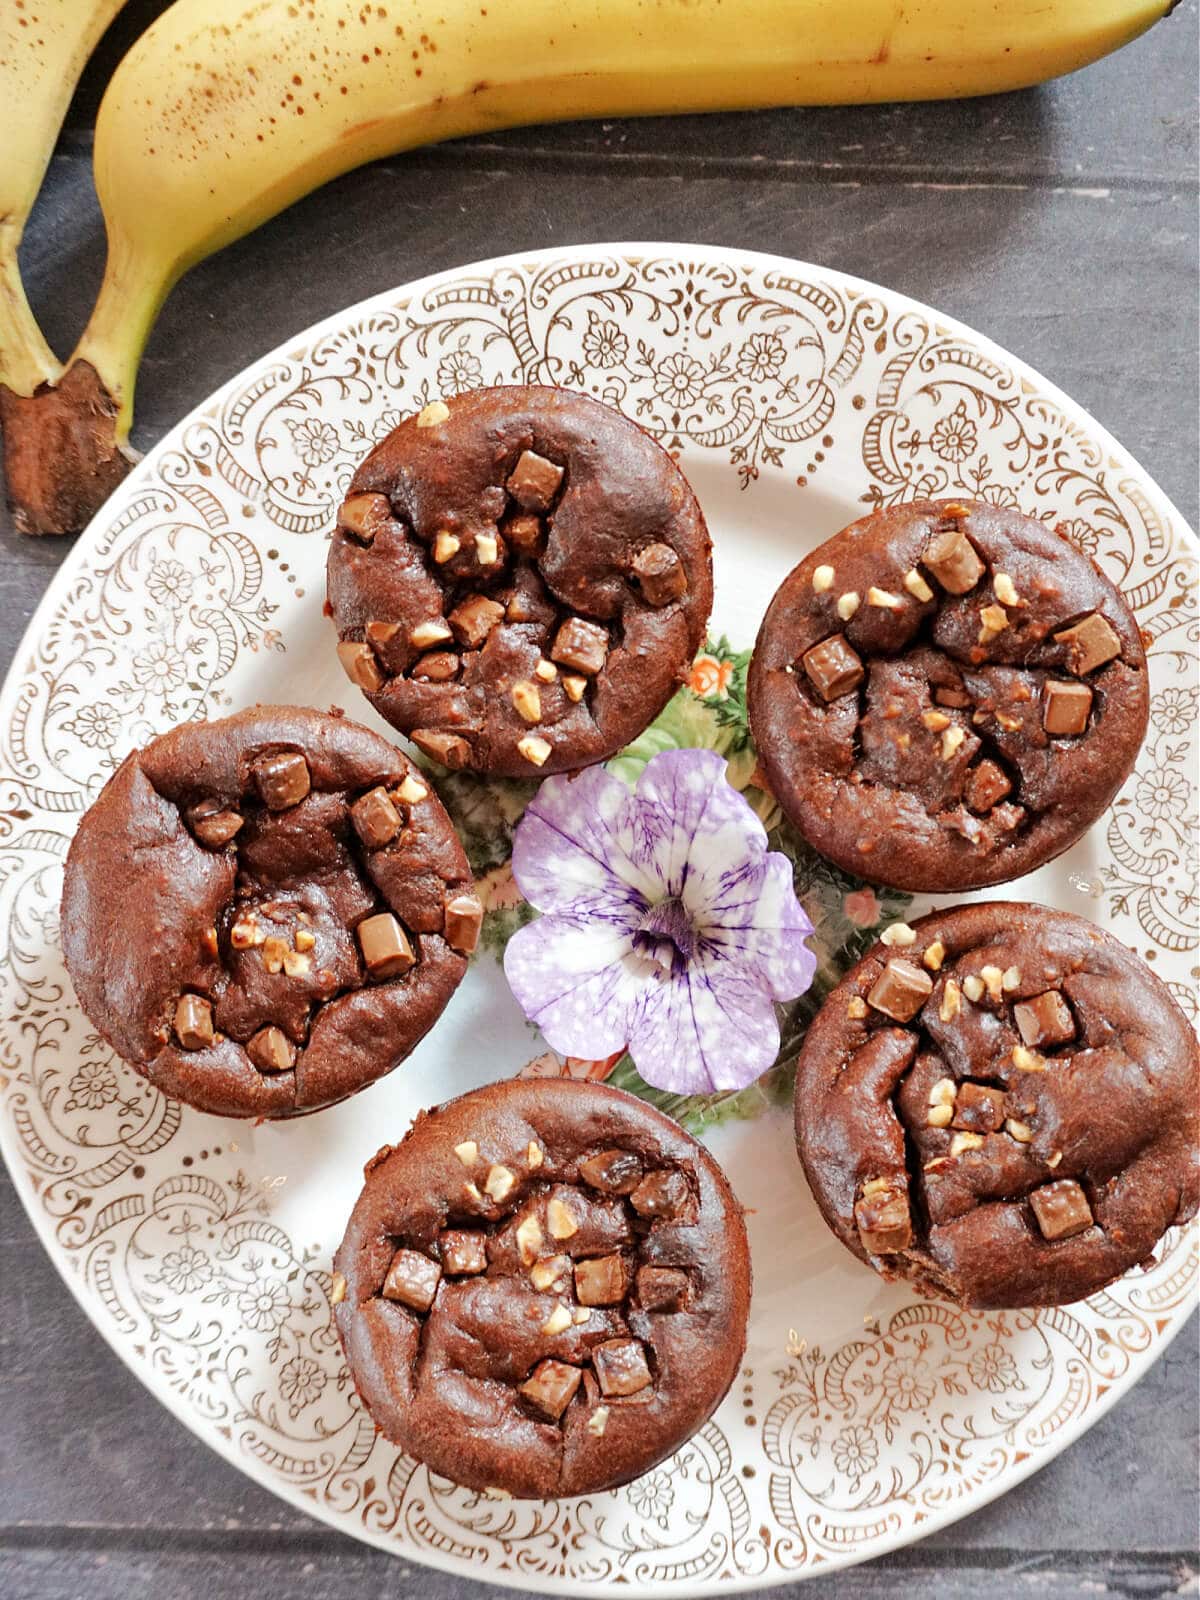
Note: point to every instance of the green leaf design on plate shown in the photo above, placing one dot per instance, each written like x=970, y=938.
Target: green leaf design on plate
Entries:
x=846, y=913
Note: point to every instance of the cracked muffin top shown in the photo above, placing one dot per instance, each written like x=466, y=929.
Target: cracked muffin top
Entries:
x=266, y=913
x=1000, y=1103
x=946, y=695
x=520, y=578
x=543, y=1289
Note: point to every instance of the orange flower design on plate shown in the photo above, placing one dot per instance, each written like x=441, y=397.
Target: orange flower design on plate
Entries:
x=710, y=678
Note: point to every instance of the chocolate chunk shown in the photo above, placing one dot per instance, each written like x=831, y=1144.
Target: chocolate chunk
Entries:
x=954, y=561
x=660, y=1194
x=1066, y=708
x=660, y=575
x=612, y=1171
x=832, y=667
x=439, y=666
x=360, y=665
x=193, y=1022
x=447, y=748
x=282, y=779
x=364, y=515
x=600, y=1281
x=986, y=784
x=1061, y=1209
x=882, y=1216
x=214, y=824
x=1089, y=644
x=580, y=645
x=464, y=1253
x=384, y=945
x=620, y=1367
x=900, y=990
x=524, y=534
x=551, y=1387
x=463, y=920
x=661, y=1288
x=380, y=634
x=958, y=699
x=474, y=619
x=534, y=482
x=271, y=1050
x=1045, y=1020
x=375, y=818
x=978, y=1108
x=412, y=1279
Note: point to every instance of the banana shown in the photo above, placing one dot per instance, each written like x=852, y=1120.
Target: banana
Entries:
x=225, y=112
x=44, y=46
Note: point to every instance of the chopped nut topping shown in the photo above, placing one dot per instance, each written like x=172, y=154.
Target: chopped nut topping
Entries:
x=1090, y=643
x=534, y=481
x=467, y=1152
x=822, y=579
x=885, y=600
x=558, y=1320
x=375, y=818
x=612, y=1171
x=535, y=749
x=436, y=411
x=193, y=1022
x=1010, y=979
x=1005, y=590
x=581, y=645
x=1027, y=1060
x=898, y=935
x=574, y=687
x=360, y=665
x=551, y=1386
x=1054, y=1159
x=620, y=1367
x=499, y=1183
x=386, y=951
x=546, y=671
x=474, y=619
x=551, y=1273
x=560, y=1221
x=426, y=634
x=464, y=1254
x=934, y=955
x=660, y=575
x=952, y=738
x=992, y=620
x=364, y=515
x=951, y=1001
x=940, y=1116
x=527, y=700
x=1061, y=1209
x=446, y=546
x=208, y=942
x=305, y=940
x=487, y=549
x=1066, y=708
x=447, y=748
x=598, y=1421
x=601, y=1281
x=337, y=1289
x=900, y=990
x=935, y=721
x=411, y=791
x=463, y=919
x=246, y=935
x=993, y=979
x=412, y=1279
x=876, y=1186
x=882, y=1216
x=962, y=1142
x=973, y=988
x=524, y=534
x=1009, y=723
x=296, y=965
x=529, y=1238
x=1018, y=1130
x=833, y=668
x=856, y=1008
x=943, y=1092
x=582, y=1314
x=953, y=560
x=848, y=604
x=274, y=952
x=439, y=667
x=916, y=585
x=282, y=779
x=533, y=1156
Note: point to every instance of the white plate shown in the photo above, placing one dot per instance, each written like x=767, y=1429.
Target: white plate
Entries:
x=200, y=1248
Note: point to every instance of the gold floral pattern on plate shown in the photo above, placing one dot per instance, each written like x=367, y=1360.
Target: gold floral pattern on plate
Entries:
x=796, y=398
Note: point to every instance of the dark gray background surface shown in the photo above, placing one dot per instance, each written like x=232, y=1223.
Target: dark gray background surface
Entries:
x=1062, y=222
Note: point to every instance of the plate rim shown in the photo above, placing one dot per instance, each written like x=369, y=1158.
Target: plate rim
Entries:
x=408, y=291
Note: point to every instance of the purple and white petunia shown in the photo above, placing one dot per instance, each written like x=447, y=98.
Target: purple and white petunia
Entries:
x=668, y=927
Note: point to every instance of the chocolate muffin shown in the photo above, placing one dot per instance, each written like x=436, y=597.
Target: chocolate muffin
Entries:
x=543, y=1289
x=520, y=578
x=946, y=695
x=266, y=913
x=1000, y=1103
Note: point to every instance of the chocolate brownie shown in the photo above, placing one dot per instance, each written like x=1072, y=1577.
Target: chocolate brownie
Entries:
x=266, y=913
x=543, y=1289
x=946, y=695
x=520, y=579
x=1000, y=1103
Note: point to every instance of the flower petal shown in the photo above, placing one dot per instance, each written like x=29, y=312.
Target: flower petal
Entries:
x=567, y=851
x=578, y=981
x=752, y=915
x=711, y=1027
x=686, y=813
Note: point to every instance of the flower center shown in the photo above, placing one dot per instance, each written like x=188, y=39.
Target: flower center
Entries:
x=666, y=936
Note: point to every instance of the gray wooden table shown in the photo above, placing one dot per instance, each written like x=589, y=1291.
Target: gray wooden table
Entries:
x=1062, y=222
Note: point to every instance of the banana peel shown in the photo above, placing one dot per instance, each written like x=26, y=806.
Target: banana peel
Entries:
x=222, y=114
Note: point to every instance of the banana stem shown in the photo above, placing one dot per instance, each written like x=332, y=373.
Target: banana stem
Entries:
x=130, y=299
x=26, y=360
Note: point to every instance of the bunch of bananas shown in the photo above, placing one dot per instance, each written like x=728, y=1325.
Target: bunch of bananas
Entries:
x=222, y=114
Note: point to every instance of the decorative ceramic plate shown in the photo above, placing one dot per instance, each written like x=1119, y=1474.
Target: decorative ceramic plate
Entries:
x=795, y=399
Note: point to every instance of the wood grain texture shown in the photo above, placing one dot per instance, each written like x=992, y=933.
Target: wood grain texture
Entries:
x=1062, y=222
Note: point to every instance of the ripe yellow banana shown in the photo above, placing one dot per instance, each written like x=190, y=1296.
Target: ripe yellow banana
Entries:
x=44, y=45
x=226, y=111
